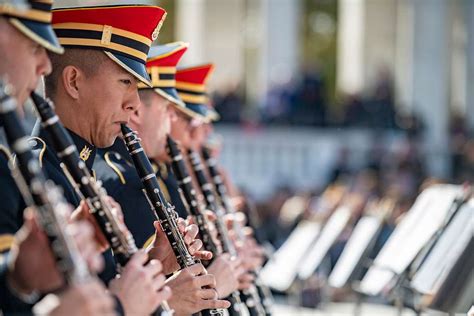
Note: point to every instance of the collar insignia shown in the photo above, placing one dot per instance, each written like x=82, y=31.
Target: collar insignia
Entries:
x=85, y=153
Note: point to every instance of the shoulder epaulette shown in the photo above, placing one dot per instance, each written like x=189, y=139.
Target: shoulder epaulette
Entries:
x=164, y=189
x=163, y=170
x=39, y=146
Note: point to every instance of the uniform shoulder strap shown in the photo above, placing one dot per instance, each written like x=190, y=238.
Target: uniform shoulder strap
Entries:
x=38, y=146
x=114, y=160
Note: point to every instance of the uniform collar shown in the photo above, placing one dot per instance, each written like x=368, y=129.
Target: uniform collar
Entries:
x=120, y=148
x=86, y=151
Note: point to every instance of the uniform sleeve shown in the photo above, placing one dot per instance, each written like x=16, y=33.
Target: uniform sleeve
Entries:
x=9, y=303
x=123, y=184
x=11, y=206
x=138, y=215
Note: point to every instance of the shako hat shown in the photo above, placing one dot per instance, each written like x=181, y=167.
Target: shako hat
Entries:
x=33, y=19
x=124, y=32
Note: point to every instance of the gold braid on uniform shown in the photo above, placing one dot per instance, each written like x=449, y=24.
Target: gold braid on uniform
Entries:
x=113, y=166
x=35, y=143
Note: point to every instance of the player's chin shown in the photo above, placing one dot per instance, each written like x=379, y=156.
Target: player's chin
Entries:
x=107, y=141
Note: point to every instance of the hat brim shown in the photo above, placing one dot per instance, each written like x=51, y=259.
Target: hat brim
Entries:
x=42, y=33
x=180, y=105
x=213, y=115
x=171, y=95
x=200, y=109
x=190, y=113
x=135, y=68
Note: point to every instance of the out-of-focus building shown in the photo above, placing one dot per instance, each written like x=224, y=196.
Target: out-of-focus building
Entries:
x=428, y=46
x=425, y=47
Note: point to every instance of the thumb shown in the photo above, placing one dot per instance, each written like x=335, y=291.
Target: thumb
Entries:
x=157, y=226
x=30, y=222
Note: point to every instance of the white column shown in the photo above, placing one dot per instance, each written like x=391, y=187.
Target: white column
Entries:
x=272, y=45
x=283, y=38
x=255, y=48
x=190, y=27
x=431, y=81
x=458, y=47
x=469, y=13
x=350, y=52
x=224, y=41
x=404, y=55
x=380, y=39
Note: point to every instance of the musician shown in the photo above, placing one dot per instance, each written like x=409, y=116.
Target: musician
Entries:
x=94, y=88
x=191, y=87
x=29, y=269
x=116, y=171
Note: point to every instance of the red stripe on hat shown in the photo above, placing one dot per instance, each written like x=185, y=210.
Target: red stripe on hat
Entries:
x=169, y=60
x=140, y=20
x=196, y=75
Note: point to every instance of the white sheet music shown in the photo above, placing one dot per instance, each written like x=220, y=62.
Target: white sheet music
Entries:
x=364, y=232
x=446, y=251
x=329, y=235
x=414, y=231
x=280, y=272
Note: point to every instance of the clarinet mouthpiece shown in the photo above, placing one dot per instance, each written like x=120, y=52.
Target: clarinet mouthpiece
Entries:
x=125, y=130
x=36, y=98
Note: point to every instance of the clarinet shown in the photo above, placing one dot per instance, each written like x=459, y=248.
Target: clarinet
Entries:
x=258, y=293
x=163, y=210
x=119, y=238
x=211, y=204
x=41, y=194
x=190, y=200
x=189, y=195
x=250, y=296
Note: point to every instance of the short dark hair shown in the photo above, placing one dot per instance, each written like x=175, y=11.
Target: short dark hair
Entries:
x=88, y=60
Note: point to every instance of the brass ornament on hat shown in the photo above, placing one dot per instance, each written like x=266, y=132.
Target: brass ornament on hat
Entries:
x=106, y=35
x=157, y=29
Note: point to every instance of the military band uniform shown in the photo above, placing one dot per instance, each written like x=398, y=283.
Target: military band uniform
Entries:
x=34, y=22
x=114, y=168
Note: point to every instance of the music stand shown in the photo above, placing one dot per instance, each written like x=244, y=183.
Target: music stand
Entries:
x=328, y=237
x=434, y=203
x=355, y=252
x=451, y=256
x=409, y=238
x=281, y=270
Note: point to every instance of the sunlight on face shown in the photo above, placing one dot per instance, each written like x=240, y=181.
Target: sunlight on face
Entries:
x=181, y=128
x=108, y=98
x=22, y=61
x=154, y=124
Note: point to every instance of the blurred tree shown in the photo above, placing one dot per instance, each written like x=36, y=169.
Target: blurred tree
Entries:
x=319, y=31
x=167, y=33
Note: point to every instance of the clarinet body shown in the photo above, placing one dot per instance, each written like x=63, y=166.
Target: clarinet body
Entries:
x=190, y=199
x=164, y=212
x=211, y=202
x=258, y=294
x=41, y=194
x=189, y=195
x=119, y=238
